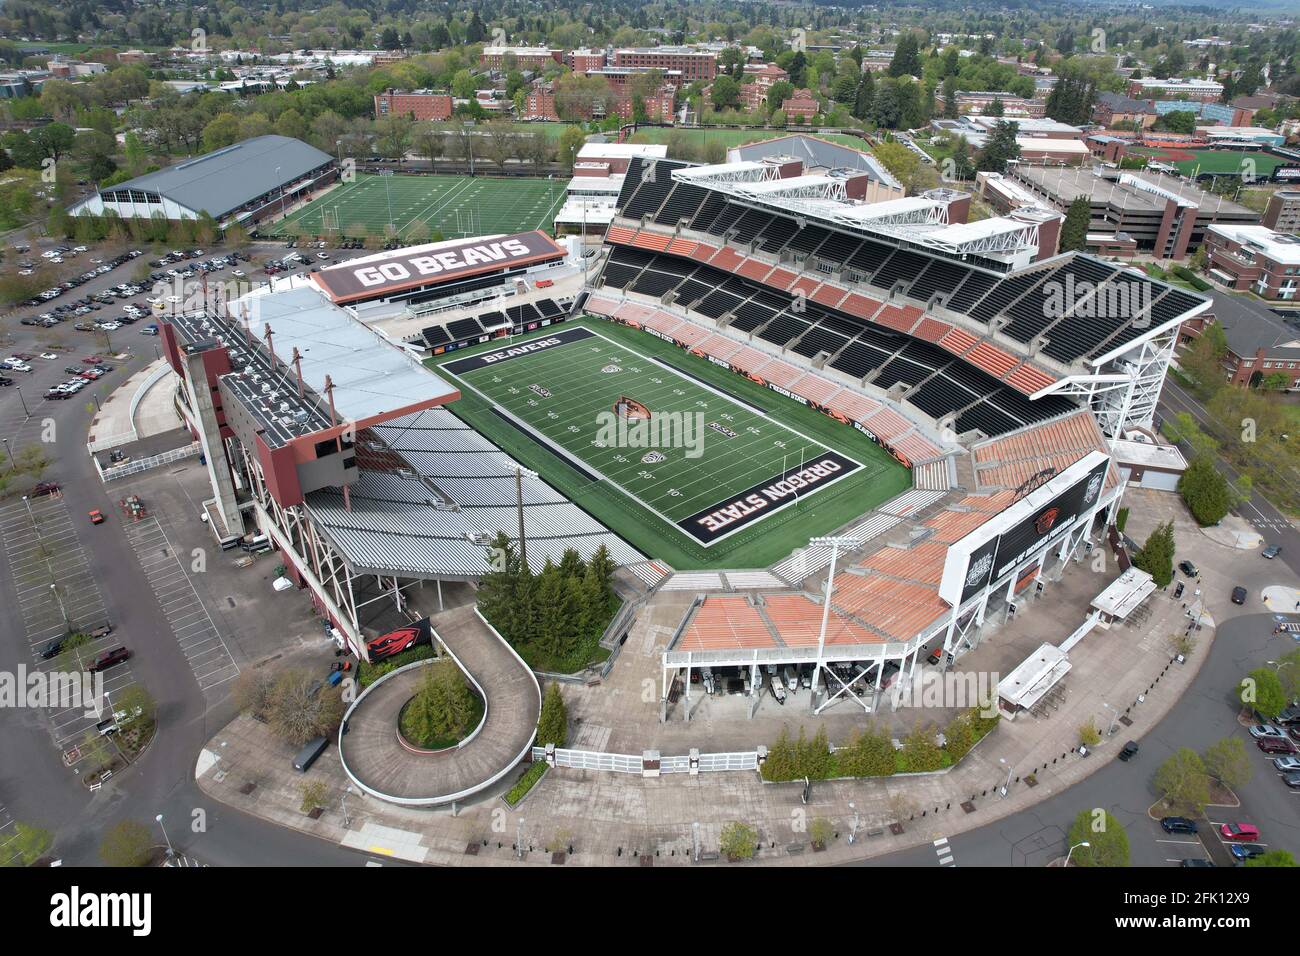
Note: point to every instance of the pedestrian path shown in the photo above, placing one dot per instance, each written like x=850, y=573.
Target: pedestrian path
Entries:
x=944, y=851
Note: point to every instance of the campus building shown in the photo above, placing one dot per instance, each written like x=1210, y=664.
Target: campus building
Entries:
x=240, y=184
x=421, y=105
x=1151, y=87
x=1260, y=344
x=1167, y=217
x=521, y=57
x=693, y=64
x=1254, y=259
x=1283, y=211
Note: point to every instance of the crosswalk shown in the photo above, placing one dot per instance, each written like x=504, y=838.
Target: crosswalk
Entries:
x=204, y=649
x=944, y=852
x=56, y=592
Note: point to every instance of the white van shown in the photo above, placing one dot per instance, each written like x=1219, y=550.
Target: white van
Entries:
x=777, y=688
x=791, y=679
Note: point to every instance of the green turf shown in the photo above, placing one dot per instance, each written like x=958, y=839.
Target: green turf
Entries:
x=1215, y=160
x=579, y=389
x=454, y=206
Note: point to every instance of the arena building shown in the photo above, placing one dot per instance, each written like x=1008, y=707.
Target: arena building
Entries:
x=241, y=184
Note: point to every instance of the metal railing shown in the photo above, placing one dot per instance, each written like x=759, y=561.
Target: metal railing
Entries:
x=145, y=464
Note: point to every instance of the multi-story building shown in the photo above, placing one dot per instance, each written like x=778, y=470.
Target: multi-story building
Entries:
x=1283, y=211
x=1150, y=87
x=1166, y=216
x=1259, y=343
x=1254, y=259
x=581, y=61
x=540, y=104
x=760, y=77
x=693, y=64
x=417, y=104
x=801, y=104
x=977, y=101
x=522, y=57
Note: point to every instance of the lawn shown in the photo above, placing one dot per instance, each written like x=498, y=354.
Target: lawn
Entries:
x=1212, y=160
x=723, y=473
x=454, y=206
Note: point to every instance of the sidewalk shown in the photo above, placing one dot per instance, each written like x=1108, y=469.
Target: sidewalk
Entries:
x=613, y=819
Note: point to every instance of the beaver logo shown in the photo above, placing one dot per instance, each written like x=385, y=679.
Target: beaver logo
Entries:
x=1046, y=520
x=611, y=369
x=652, y=458
x=979, y=570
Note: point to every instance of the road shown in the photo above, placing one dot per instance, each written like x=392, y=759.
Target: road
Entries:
x=35, y=787
x=1267, y=519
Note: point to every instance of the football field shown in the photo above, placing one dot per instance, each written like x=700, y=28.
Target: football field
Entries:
x=699, y=458
x=418, y=206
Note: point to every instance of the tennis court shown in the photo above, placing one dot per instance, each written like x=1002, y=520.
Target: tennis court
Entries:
x=418, y=206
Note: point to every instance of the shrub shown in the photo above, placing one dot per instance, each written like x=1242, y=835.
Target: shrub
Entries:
x=526, y=782
x=738, y=841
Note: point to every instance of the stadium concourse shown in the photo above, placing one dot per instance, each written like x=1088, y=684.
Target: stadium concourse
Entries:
x=996, y=369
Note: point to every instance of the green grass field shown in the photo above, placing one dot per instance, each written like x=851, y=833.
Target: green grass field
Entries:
x=1212, y=160
x=713, y=503
x=455, y=206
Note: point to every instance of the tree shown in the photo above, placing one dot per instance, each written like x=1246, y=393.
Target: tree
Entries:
x=1089, y=735
x=1074, y=232
x=907, y=57
x=1157, y=556
x=300, y=710
x=553, y=724
x=1262, y=690
x=314, y=795
x=869, y=753
x=1106, y=839
x=1000, y=148
x=129, y=843
x=254, y=692
x=820, y=831
x=27, y=845
x=1273, y=858
x=572, y=139
x=725, y=93
x=1205, y=491
x=1183, y=782
x=1228, y=762
x=443, y=706
x=920, y=751
x=738, y=841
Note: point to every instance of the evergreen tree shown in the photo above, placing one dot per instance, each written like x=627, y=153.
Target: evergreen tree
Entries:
x=1157, y=556
x=1205, y=491
x=950, y=110
x=553, y=724
x=1074, y=232
x=865, y=99
x=1000, y=148
x=907, y=57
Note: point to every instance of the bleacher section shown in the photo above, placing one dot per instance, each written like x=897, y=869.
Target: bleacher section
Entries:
x=1014, y=306
x=970, y=392
x=518, y=317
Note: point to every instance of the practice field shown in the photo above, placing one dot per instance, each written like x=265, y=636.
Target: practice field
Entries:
x=686, y=469
x=455, y=206
x=731, y=138
x=1203, y=161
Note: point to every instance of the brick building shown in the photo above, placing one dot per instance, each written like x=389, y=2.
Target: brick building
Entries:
x=1260, y=344
x=418, y=104
x=1283, y=211
x=802, y=105
x=523, y=57
x=761, y=76
x=1254, y=259
x=693, y=64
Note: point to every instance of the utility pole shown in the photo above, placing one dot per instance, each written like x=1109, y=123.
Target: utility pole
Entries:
x=520, y=473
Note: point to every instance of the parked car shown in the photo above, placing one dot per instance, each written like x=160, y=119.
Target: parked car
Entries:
x=1239, y=831
x=1247, y=851
x=96, y=516
x=1292, y=780
x=1272, y=551
x=109, y=659
x=1262, y=731
x=1178, y=825
x=1239, y=595
x=1196, y=861
x=1271, y=745
x=1130, y=751
x=1287, y=764
x=1188, y=568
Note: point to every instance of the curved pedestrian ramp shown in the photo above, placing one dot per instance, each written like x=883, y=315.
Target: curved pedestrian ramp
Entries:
x=377, y=760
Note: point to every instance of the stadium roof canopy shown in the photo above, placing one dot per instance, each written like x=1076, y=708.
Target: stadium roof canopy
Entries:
x=224, y=180
x=817, y=154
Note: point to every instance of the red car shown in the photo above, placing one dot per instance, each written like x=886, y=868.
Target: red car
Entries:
x=1239, y=831
x=96, y=517
x=1275, y=745
x=92, y=360
x=45, y=488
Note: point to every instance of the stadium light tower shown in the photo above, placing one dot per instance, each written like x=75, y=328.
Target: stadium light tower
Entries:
x=834, y=542
x=520, y=473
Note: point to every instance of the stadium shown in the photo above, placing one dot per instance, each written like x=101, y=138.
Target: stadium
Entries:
x=856, y=434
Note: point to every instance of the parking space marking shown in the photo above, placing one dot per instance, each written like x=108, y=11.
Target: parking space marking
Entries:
x=41, y=548
x=197, y=636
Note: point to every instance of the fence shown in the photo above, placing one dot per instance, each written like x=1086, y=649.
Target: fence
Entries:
x=145, y=464
x=641, y=763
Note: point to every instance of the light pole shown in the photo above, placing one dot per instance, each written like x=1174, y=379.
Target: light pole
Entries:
x=1010, y=770
x=695, y=842
x=520, y=473
x=1111, y=729
x=834, y=542
x=1072, y=849
x=10, y=456
x=26, y=410
x=170, y=851
x=67, y=624
x=343, y=805
x=853, y=824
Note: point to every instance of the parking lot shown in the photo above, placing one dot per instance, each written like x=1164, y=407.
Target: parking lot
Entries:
x=42, y=549
x=204, y=649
